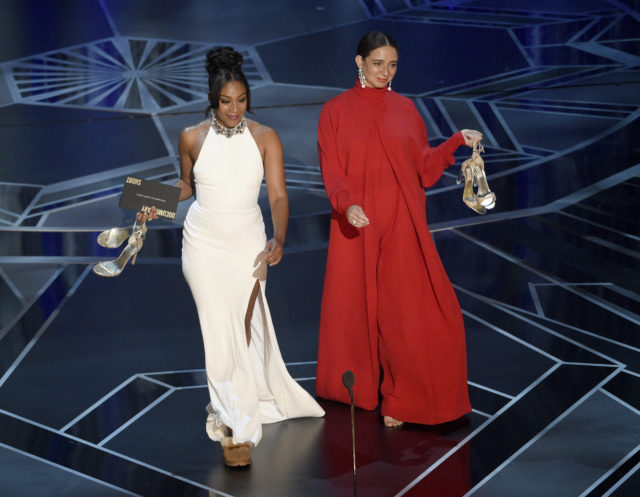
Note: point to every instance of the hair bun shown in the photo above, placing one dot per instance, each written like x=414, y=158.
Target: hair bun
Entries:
x=223, y=58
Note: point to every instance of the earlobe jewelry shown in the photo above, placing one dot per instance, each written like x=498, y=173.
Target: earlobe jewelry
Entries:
x=361, y=77
x=389, y=86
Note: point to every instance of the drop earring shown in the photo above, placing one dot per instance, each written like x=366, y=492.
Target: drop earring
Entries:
x=389, y=86
x=361, y=77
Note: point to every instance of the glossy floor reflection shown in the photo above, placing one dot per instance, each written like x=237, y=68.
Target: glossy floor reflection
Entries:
x=103, y=396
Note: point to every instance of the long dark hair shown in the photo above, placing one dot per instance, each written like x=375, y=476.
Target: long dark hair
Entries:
x=372, y=40
x=224, y=64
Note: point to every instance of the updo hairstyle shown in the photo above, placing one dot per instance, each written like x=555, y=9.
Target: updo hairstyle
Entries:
x=372, y=40
x=224, y=64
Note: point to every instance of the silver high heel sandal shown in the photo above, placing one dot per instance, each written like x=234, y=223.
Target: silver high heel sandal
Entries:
x=473, y=172
x=115, y=267
x=468, y=195
x=114, y=237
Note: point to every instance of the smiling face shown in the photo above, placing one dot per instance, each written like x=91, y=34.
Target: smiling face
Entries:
x=379, y=67
x=232, y=103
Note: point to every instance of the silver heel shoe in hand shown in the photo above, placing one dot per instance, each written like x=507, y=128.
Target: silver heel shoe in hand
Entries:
x=472, y=170
x=114, y=237
x=469, y=197
x=115, y=267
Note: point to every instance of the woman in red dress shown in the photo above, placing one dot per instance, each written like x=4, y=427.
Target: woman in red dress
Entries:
x=389, y=312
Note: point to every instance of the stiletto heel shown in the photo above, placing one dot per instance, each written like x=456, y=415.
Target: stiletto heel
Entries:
x=114, y=237
x=115, y=267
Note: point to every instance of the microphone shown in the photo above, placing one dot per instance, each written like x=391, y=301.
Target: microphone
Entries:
x=348, y=380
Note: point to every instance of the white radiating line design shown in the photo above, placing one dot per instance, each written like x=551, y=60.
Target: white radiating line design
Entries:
x=120, y=73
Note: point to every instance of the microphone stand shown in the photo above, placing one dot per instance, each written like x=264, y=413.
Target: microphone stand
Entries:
x=348, y=379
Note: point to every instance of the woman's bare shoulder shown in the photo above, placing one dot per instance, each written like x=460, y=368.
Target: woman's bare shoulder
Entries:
x=193, y=134
x=260, y=132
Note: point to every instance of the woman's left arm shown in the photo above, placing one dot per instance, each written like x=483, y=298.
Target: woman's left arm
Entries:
x=435, y=160
x=277, y=192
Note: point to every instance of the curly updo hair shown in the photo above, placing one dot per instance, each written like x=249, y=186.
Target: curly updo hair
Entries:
x=372, y=40
x=224, y=64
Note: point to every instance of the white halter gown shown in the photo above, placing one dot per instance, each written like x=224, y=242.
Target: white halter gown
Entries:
x=223, y=243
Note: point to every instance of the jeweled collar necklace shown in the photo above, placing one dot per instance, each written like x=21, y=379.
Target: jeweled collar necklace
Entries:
x=220, y=129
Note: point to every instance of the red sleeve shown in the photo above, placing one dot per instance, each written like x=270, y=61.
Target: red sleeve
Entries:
x=436, y=159
x=333, y=175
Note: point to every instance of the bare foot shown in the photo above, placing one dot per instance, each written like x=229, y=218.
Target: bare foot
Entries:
x=392, y=422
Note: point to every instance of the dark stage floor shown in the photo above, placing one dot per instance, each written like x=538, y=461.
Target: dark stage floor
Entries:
x=103, y=396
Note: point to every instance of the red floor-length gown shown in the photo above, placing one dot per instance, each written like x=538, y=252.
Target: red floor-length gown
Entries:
x=389, y=312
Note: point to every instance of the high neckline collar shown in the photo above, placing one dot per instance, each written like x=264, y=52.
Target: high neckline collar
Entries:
x=372, y=93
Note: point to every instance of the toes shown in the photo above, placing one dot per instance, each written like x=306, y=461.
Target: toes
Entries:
x=392, y=422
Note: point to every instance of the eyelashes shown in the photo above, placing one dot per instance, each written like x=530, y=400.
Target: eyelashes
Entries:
x=227, y=102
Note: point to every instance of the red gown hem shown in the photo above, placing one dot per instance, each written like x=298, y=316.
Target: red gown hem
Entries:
x=392, y=408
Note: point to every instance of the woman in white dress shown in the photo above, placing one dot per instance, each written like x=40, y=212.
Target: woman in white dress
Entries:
x=225, y=254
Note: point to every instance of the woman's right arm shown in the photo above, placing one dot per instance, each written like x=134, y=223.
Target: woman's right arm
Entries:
x=334, y=178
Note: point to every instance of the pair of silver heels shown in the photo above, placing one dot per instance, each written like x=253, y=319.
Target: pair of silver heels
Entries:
x=115, y=237
x=472, y=170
